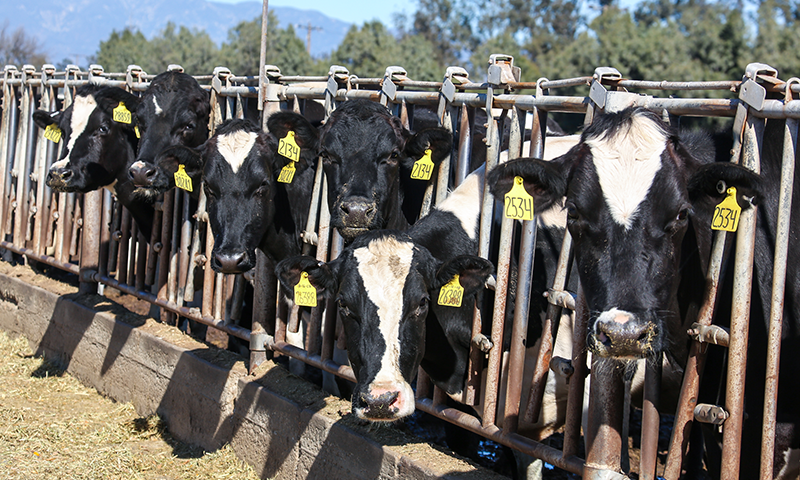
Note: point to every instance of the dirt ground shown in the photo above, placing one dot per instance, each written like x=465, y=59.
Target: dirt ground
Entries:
x=51, y=426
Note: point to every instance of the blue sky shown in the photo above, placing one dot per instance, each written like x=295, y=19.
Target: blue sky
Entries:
x=354, y=11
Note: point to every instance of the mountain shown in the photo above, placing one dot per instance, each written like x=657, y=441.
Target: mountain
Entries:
x=73, y=30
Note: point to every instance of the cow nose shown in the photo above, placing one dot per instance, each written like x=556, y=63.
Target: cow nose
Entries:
x=231, y=262
x=142, y=174
x=357, y=212
x=619, y=333
x=381, y=403
x=59, y=175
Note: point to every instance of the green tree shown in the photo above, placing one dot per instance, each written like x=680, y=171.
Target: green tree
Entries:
x=242, y=51
x=124, y=48
x=192, y=49
x=779, y=32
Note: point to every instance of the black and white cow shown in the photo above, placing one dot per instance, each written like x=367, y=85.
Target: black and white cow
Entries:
x=174, y=110
x=247, y=206
x=368, y=157
x=385, y=282
x=96, y=150
x=640, y=201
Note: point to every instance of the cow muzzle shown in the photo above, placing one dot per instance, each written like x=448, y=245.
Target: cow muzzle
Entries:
x=60, y=178
x=142, y=174
x=384, y=403
x=621, y=334
x=231, y=262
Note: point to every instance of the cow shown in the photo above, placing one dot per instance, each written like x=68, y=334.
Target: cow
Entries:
x=640, y=199
x=248, y=207
x=385, y=283
x=174, y=110
x=97, y=150
x=369, y=157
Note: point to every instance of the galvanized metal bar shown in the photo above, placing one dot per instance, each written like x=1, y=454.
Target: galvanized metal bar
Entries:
x=208, y=275
x=603, y=440
x=124, y=245
x=105, y=231
x=89, y=261
x=20, y=169
x=115, y=236
x=778, y=292
x=165, y=253
x=572, y=426
x=143, y=250
x=464, y=145
x=265, y=287
x=46, y=259
x=7, y=132
x=184, y=271
x=740, y=313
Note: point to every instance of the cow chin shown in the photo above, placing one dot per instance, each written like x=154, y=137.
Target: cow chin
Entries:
x=146, y=194
x=384, y=404
x=61, y=186
x=350, y=233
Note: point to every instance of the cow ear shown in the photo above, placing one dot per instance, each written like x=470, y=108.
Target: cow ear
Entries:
x=109, y=98
x=43, y=118
x=191, y=158
x=320, y=275
x=305, y=135
x=472, y=271
x=437, y=139
x=711, y=182
x=545, y=181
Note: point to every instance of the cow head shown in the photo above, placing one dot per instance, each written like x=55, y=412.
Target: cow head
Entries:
x=632, y=187
x=173, y=111
x=383, y=283
x=95, y=148
x=367, y=153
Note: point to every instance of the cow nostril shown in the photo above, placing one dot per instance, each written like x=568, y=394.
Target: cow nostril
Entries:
x=150, y=173
x=66, y=174
x=603, y=338
x=344, y=208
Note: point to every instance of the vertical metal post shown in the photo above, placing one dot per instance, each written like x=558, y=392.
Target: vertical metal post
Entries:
x=89, y=261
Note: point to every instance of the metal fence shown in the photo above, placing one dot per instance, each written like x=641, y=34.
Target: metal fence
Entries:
x=93, y=236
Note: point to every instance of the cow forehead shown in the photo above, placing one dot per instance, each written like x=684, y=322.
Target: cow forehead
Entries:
x=234, y=147
x=626, y=161
x=384, y=265
x=82, y=109
x=351, y=135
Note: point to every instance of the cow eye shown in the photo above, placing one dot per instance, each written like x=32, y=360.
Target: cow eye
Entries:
x=102, y=130
x=572, y=212
x=422, y=307
x=682, y=215
x=189, y=127
x=262, y=189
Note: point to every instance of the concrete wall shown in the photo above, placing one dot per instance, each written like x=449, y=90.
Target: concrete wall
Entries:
x=283, y=426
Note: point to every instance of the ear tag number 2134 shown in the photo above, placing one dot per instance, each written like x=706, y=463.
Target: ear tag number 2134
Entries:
x=423, y=168
x=726, y=215
x=518, y=202
x=287, y=146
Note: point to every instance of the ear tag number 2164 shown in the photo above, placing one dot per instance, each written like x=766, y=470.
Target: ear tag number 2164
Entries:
x=726, y=215
x=518, y=202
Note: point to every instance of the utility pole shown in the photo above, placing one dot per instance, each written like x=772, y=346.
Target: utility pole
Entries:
x=309, y=28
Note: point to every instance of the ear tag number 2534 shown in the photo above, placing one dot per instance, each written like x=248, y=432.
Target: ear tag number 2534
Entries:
x=182, y=179
x=518, y=202
x=287, y=146
x=423, y=168
x=726, y=215
x=305, y=295
x=451, y=293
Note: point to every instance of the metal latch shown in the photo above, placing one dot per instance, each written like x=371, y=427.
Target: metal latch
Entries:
x=502, y=70
x=598, y=92
x=133, y=71
x=453, y=76
x=173, y=67
x=392, y=74
x=336, y=74
x=220, y=74
x=272, y=72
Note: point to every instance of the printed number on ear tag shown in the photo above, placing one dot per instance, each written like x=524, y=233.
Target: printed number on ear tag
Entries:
x=52, y=133
x=182, y=179
x=122, y=114
x=518, y=202
x=305, y=294
x=287, y=146
x=423, y=168
x=450, y=294
x=726, y=215
x=287, y=173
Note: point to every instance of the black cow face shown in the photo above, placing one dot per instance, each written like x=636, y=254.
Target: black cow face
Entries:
x=630, y=197
x=173, y=111
x=95, y=148
x=368, y=156
x=383, y=284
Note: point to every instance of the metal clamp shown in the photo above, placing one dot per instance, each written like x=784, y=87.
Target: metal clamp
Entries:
x=710, y=334
x=562, y=367
x=336, y=74
x=261, y=341
x=173, y=67
x=393, y=74
x=133, y=71
x=272, y=72
x=598, y=91
x=27, y=72
x=561, y=298
x=502, y=70
x=220, y=74
x=453, y=76
x=713, y=414
x=10, y=69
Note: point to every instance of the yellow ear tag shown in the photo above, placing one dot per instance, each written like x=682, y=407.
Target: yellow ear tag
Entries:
x=121, y=114
x=726, y=215
x=305, y=295
x=52, y=133
x=287, y=173
x=182, y=179
x=136, y=131
x=423, y=168
x=451, y=293
x=518, y=202
x=288, y=147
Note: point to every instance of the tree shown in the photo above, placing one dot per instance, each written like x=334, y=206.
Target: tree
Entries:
x=242, y=51
x=192, y=49
x=18, y=48
x=124, y=48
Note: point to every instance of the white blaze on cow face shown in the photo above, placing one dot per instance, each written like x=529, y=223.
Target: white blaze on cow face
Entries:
x=159, y=111
x=235, y=146
x=384, y=265
x=82, y=109
x=465, y=202
x=626, y=162
x=60, y=164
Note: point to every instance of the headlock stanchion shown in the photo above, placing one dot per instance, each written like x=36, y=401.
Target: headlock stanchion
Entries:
x=93, y=236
